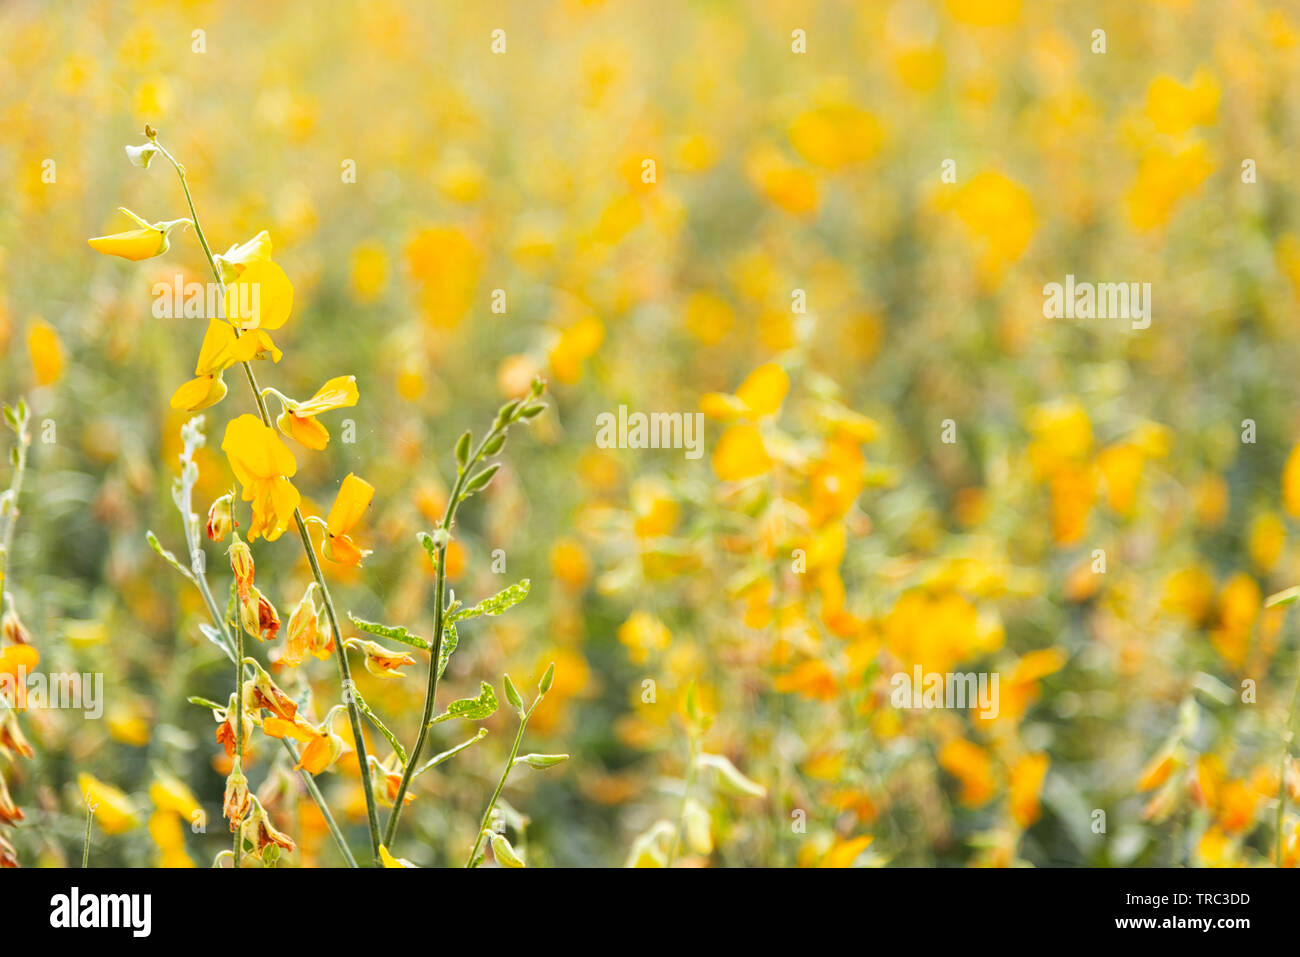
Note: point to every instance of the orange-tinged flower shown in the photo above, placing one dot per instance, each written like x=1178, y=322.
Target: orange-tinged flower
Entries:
x=971, y=765
x=145, y=242
x=221, y=518
x=349, y=505
x=263, y=464
x=380, y=661
x=298, y=420
x=10, y=813
x=1024, y=787
x=306, y=635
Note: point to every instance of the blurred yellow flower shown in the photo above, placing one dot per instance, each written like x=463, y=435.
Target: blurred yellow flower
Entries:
x=46, y=351
x=1174, y=108
x=114, y=811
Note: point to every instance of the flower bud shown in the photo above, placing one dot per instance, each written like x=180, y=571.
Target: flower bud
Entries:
x=11, y=736
x=259, y=831
x=13, y=630
x=236, y=804
x=241, y=563
x=258, y=616
x=267, y=694
x=380, y=661
x=305, y=633
x=221, y=517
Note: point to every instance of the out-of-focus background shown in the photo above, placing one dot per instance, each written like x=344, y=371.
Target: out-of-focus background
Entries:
x=871, y=196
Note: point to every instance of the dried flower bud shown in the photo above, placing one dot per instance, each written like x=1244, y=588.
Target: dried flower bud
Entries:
x=236, y=805
x=221, y=517
x=13, y=630
x=241, y=563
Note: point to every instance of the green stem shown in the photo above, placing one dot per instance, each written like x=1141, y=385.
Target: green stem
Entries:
x=1287, y=734
x=439, y=625
x=85, y=844
x=686, y=796
x=510, y=763
x=238, y=718
x=15, y=488
x=345, y=674
x=310, y=783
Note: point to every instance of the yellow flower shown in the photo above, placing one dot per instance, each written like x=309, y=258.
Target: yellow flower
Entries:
x=835, y=135
x=999, y=215
x=170, y=794
x=46, y=351
x=971, y=765
x=147, y=241
x=1026, y=782
x=576, y=343
x=114, y=813
x=740, y=454
x=261, y=298
x=390, y=861
x=1163, y=178
x=238, y=258
x=985, y=13
x=1174, y=108
x=758, y=397
x=298, y=420
x=263, y=465
x=221, y=349
x=349, y=505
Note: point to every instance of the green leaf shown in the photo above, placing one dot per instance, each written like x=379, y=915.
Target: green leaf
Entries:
x=437, y=759
x=395, y=632
x=167, y=556
x=471, y=709
x=218, y=638
x=383, y=729
x=205, y=703
x=503, y=600
x=450, y=639
x=730, y=775
x=540, y=761
x=1287, y=597
x=544, y=685
x=481, y=480
x=512, y=695
x=462, y=448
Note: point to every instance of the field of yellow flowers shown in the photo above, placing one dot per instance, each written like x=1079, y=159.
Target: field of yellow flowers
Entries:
x=613, y=433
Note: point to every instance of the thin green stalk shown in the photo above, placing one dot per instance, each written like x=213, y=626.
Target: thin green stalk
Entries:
x=510, y=764
x=345, y=674
x=24, y=438
x=310, y=783
x=1287, y=735
x=691, y=774
x=239, y=724
x=439, y=625
x=85, y=843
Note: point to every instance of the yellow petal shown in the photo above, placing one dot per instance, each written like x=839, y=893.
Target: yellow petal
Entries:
x=740, y=454
x=303, y=430
x=764, y=390
x=719, y=405
x=261, y=298
x=256, y=452
x=199, y=393
x=350, y=504
x=339, y=392
x=134, y=244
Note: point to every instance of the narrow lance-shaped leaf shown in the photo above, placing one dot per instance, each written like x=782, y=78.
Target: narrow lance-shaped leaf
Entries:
x=505, y=599
x=167, y=556
x=438, y=759
x=395, y=632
